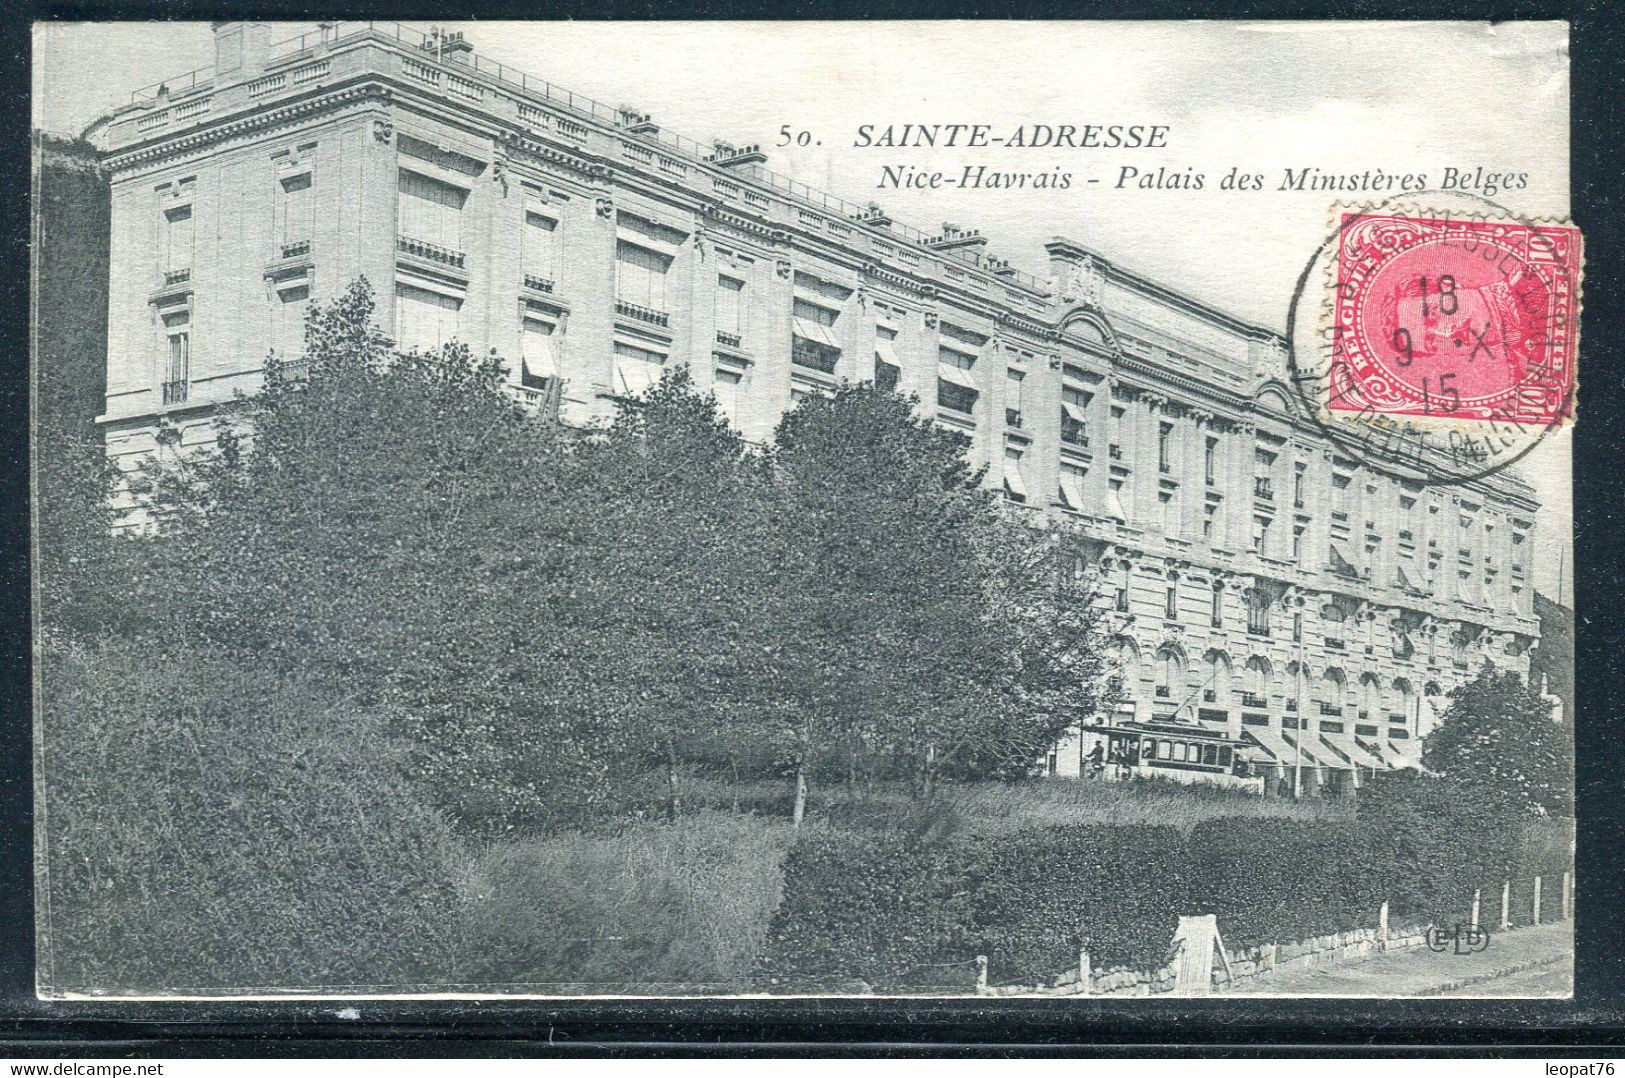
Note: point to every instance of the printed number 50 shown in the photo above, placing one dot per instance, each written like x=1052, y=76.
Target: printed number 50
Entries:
x=800, y=138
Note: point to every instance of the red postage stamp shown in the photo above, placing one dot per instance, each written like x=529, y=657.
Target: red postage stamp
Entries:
x=1455, y=319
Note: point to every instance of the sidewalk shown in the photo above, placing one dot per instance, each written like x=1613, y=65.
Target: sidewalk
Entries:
x=1524, y=963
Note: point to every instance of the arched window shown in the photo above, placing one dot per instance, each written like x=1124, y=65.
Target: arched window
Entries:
x=1167, y=672
x=1370, y=694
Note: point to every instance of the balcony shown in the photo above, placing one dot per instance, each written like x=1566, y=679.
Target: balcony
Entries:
x=1075, y=436
x=177, y=276
x=175, y=392
x=1115, y=452
x=1263, y=490
x=642, y=314
x=297, y=249
x=1162, y=692
x=728, y=340
x=1332, y=710
x=431, y=252
x=1253, y=699
x=1210, y=696
x=1335, y=643
x=1291, y=705
x=537, y=283
x=1396, y=717
x=1012, y=417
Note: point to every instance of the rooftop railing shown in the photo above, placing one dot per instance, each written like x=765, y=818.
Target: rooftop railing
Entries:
x=636, y=125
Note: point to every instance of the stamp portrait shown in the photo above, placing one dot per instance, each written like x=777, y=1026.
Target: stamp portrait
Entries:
x=1455, y=318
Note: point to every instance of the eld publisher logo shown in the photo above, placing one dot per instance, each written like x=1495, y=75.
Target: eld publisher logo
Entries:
x=1462, y=939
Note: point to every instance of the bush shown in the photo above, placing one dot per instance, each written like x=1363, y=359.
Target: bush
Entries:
x=207, y=826
x=1037, y=896
x=1270, y=880
x=684, y=903
x=880, y=909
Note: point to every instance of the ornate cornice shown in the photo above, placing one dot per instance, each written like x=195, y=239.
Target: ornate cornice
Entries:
x=250, y=122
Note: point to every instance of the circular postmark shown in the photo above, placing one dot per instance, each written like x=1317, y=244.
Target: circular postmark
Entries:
x=1437, y=344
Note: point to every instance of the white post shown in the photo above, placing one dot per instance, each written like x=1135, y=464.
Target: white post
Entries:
x=1535, y=913
x=1085, y=972
x=981, y=974
x=1568, y=896
x=1477, y=893
x=1382, y=926
x=1506, y=905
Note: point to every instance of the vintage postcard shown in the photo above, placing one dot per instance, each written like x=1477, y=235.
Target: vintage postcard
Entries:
x=803, y=509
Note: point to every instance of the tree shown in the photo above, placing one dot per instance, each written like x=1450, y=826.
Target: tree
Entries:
x=912, y=623
x=666, y=560
x=1497, y=739
x=395, y=529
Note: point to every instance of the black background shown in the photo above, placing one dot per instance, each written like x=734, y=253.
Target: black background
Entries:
x=1595, y=1019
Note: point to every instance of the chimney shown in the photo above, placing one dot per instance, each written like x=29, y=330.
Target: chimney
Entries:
x=241, y=50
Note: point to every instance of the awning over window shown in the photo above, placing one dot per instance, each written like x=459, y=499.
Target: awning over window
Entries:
x=1071, y=488
x=956, y=376
x=1114, y=504
x=537, y=343
x=1407, y=754
x=647, y=242
x=885, y=353
x=1074, y=413
x=1306, y=755
x=634, y=377
x=1339, y=561
x=1348, y=751
x=1012, y=479
x=807, y=329
x=1405, y=580
x=1268, y=741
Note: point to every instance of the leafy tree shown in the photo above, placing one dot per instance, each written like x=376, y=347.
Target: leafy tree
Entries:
x=394, y=528
x=666, y=560
x=1497, y=741
x=911, y=621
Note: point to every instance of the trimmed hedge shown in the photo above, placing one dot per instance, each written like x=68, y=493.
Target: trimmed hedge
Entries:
x=1270, y=880
x=898, y=911
x=1038, y=896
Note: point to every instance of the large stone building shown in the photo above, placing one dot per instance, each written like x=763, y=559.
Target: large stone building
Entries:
x=1273, y=601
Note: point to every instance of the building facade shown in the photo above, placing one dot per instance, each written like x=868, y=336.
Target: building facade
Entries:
x=1271, y=599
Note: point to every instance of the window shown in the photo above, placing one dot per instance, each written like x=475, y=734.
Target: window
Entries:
x=956, y=386
x=538, y=363
x=537, y=252
x=431, y=212
x=726, y=389
x=730, y=310
x=1297, y=542
x=424, y=320
x=1261, y=534
x=1072, y=486
x=1170, y=602
x=1074, y=416
x=1012, y=397
x=294, y=211
x=1165, y=437
x=1114, y=500
x=1297, y=486
x=1209, y=458
x=640, y=277
x=1297, y=626
x=1015, y=488
x=636, y=369
x=178, y=357
x=1216, y=614
x=1167, y=515
x=1258, y=612
x=888, y=367
x=178, y=239
x=1210, y=513
x=1121, y=602
x=288, y=322
x=814, y=344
